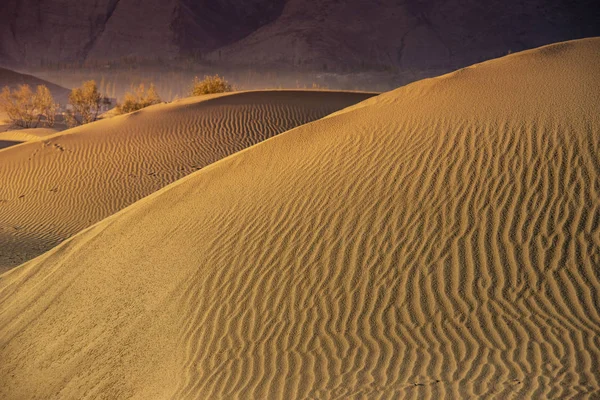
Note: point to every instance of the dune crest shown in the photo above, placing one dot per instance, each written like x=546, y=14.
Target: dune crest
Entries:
x=441, y=241
x=54, y=188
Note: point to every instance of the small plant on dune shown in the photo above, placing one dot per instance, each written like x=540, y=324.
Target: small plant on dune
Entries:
x=210, y=85
x=85, y=103
x=139, y=98
x=26, y=108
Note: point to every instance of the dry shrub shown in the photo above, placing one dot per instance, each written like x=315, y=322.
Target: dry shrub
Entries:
x=210, y=85
x=85, y=102
x=26, y=108
x=139, y=98
x=45, y=105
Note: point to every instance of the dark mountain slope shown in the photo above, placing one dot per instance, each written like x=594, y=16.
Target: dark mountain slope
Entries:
x=339, y=34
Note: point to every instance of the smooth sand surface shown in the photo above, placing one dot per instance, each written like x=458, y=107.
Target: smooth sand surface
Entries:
x=438, y=241
x=52, y=189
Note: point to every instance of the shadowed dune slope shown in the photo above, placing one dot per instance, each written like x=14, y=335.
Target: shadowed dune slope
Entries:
x=51, y=189
x=15, y=137
x=441, y=240
x=7, y=143
x=27, y=135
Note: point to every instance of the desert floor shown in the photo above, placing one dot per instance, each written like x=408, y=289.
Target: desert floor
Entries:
x=438, y=241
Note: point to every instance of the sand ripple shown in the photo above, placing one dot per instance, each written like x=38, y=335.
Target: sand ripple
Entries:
x=440, y=241
x=52, y=189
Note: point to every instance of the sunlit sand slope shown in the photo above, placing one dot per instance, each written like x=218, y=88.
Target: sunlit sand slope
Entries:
x=52, y=189
x=439, y=241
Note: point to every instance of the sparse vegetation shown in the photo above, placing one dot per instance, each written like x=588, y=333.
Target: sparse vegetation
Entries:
x=139, y=98
x=26, y=108
x=85, y=104
x=172, y=84
x=210, y=85
x=45, y=105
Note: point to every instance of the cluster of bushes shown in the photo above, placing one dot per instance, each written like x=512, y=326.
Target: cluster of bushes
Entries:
x=27, y=109
x=139, y=97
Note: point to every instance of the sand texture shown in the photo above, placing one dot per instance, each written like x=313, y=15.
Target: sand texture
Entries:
x=52, y=189
x=11, y=138
x=27, y=135
x=438, y=241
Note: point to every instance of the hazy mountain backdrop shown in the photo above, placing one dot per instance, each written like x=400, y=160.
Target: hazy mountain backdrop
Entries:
x=320, y=34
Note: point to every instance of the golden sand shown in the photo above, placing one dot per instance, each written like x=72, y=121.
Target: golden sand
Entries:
x=52, y=189
x=438, y=241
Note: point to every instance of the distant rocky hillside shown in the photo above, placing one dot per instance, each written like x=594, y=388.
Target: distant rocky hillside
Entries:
x=322, y=34
x=13, y=79
x=412, y=34
x=37, y=31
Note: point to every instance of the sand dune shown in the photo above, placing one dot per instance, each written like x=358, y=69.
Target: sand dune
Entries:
x=27, y=135
x=52, y=189
x=438, y=241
